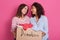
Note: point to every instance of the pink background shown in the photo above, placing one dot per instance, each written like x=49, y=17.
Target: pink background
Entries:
x=8, y=10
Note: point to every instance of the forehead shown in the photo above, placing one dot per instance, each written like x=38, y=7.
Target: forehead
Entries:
x=33, y=7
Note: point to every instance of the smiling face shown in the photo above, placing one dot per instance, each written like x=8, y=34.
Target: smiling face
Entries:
x=24, y=10
x=33, y=10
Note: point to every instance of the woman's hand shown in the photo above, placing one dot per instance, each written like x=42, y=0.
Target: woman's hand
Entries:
x=14, y=33
x=43, y=34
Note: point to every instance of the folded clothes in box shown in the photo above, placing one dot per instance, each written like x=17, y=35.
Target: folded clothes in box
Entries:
x=26, y=26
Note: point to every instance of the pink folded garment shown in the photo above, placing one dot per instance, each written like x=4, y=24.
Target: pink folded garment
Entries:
x=26, y=26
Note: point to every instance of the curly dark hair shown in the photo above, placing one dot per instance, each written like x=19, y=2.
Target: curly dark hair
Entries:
x=39, y=8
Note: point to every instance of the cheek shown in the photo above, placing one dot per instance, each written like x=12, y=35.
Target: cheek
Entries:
x=24, y=11
x=34, y=10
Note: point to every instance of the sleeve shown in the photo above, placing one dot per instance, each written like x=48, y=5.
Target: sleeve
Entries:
x=46, y=25
x=14, y=24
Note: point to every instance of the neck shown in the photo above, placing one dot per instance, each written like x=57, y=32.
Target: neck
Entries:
x=22, y=17
x=36, y=18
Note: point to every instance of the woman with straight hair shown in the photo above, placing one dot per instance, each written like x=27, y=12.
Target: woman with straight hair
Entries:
x=20, y=18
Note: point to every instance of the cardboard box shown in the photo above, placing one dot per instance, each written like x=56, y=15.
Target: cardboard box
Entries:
x=28, y=35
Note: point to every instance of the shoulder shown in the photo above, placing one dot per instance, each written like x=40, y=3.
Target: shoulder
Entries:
x=15, y=18
x=44, y=17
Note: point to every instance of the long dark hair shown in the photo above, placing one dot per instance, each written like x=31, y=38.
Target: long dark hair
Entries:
x=39, y=8
x=19, y=13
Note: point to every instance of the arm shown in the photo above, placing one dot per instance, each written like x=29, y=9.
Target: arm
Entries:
x=13, y=27
x=45, y=26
